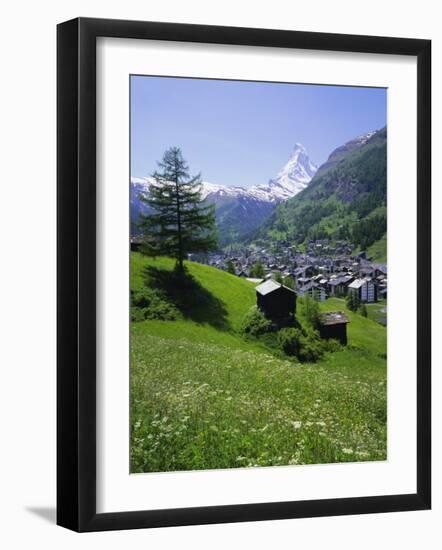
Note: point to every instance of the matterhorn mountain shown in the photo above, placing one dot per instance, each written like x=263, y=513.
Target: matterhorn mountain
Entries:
x=292, y=178
x=240, y=210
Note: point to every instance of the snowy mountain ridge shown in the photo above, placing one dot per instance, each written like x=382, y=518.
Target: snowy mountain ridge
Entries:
x=290, y=180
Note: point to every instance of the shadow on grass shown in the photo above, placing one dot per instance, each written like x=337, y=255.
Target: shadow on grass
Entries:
x=193, y=300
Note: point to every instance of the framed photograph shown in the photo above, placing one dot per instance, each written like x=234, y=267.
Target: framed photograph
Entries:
x=243, y=274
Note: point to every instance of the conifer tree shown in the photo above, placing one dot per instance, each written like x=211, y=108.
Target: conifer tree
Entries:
x=278, y=277
x=311, y=311
x=180, y=223
x=289, y=282
x=257, y=270
x=353, y=301
x=230, y=267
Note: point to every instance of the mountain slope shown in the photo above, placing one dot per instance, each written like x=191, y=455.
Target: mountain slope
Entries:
x=346, y=198
x=239, y=210
x=206, y=398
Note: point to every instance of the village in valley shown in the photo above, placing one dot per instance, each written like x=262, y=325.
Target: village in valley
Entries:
x=324, y=269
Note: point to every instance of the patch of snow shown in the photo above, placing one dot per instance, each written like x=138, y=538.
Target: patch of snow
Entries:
x=362, y=139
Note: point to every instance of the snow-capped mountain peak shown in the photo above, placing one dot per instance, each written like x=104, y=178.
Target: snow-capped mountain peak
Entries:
x=295, y=175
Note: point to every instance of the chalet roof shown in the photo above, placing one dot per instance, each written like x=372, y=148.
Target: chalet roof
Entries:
x=270, y=286
x=137, y=239
x=333, y=318
x=335, y=282
x=357, y=283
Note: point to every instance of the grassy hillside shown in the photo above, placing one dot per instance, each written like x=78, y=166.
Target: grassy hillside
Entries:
x=378, y=250
x=202, y=397
x=215, y=307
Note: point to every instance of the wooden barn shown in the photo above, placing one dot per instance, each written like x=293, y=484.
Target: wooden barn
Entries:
x=333, y=324
x=135, y=243
x=276, y=301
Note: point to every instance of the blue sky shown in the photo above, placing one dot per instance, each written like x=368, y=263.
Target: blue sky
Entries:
x=242, y=133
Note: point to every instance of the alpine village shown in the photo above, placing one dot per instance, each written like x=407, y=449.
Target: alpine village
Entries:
x=259, y=315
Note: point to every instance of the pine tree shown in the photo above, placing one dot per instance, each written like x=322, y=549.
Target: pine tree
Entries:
x=363, y=310
x=311, y=311
x=230, y=267
x=289, y=282
x=180, y=223
x=353, y=301
x=278, y=277
x=350, y=301
x=257, y=270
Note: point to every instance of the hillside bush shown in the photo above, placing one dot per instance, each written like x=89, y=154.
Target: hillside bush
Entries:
x=305, y=344
x=137, y=314
x=147, y=303
x=311, y=348
x=255, y=323
x=332, y=345
x=289, y=340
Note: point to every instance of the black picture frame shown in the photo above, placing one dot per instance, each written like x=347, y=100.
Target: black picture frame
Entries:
x=77, y=287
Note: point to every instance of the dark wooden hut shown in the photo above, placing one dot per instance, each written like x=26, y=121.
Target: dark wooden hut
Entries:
x=135, y=243
x=333, y=324
x=276, y=301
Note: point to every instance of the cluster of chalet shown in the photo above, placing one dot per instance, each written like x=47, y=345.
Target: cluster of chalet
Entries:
x=278, y=303
x=324, y=270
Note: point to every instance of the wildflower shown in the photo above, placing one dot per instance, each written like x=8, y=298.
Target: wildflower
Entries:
x=362, y=454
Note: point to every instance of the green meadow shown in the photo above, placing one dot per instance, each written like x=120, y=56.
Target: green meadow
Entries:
x=203, y=397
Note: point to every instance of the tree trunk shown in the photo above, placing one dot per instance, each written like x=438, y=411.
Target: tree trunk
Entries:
x=180, y=240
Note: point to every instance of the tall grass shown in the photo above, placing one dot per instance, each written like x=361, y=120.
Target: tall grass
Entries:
x=205, y=406
x=202, y=397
